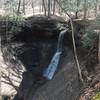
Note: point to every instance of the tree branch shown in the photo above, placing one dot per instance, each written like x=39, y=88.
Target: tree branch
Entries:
x=73, y=39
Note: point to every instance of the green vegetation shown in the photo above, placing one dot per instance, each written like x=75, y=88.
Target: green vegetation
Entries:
x=15, y=18
x=91, y=33
x=14, y=21
x=17, y=22
x=96, y=96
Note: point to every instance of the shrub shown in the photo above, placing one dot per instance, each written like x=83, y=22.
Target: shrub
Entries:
x=91, y=33
x=96, y=96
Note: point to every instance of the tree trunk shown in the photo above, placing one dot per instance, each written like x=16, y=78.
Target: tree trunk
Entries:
x=85, y=9
x=24, y=7
x=78, y=2
x=18, y=11
x=0, y=74
x=0, y=84
x=32, y=6
x=51, y=5
x=85, y=14
x=96, y=5
x=54, y=5
x=49, y=8
x=43, y=4
x=99, y=49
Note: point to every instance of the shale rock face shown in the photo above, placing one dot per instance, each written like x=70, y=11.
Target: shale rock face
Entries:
x=34, y=46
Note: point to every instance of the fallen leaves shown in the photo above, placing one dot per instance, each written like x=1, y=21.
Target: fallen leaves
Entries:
x=91, y=93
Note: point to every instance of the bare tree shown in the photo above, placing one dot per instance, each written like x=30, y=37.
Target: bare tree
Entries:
x=32, y=6
x=96, y=7
x=78, y=1
x=43, y=6
x=54, y=5
x=19, y=4
x=99, y=48
x=49, y=8
x=0, y=85
x=0, y=73
x=51, y=4
x=24, y=7
x=85, y=9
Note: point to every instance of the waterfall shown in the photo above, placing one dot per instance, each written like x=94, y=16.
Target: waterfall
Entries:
x=52, y=67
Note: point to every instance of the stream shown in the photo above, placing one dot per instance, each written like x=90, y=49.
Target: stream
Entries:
x=52, y=67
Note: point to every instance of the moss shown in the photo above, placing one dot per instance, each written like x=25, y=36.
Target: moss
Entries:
x=96, y=96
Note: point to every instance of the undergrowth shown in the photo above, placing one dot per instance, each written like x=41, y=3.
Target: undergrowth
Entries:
x=15, y=21
x=96, y=96
x=91, y=34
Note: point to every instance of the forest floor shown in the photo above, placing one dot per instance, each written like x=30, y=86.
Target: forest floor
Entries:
x=91, y=91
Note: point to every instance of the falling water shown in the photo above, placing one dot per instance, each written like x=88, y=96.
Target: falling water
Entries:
x=50, y=71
